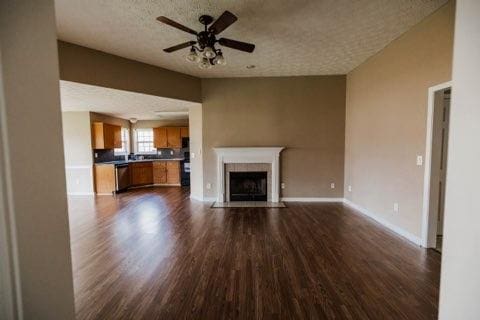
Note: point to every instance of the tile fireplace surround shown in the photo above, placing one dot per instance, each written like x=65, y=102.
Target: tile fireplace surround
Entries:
x=249, y=155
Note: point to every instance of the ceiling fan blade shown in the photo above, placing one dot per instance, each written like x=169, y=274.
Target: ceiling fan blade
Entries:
x=180, y=46
x=176, y=25
x=234, y=44
x=223, y=22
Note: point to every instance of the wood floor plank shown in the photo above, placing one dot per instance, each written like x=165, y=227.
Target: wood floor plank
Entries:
x=154, y=254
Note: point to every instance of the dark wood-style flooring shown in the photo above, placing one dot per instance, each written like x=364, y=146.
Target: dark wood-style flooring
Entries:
x=154, y=254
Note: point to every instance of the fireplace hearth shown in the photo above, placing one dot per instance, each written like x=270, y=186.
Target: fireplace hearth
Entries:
x=248, y=186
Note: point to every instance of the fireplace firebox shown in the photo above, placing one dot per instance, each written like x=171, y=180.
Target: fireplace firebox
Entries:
x=248, y=186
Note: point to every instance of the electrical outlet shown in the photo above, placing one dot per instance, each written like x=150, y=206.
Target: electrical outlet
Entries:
x=77, y=181
x=160, y=152
x=395, y=207
x=282, y=185
x=171, y=152
x=209, y=186
x=419, y=160
x=332, y=185
x=96, y=155
x=192, y=155
x=349, y=188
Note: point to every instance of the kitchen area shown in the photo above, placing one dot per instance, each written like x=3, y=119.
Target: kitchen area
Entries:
x=167, y=163
x=116, y=140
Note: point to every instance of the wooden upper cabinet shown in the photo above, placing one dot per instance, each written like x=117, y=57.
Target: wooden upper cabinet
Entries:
x=173, y=172
x=169, y=137
x=106, y=136
x=160, y=137
x=184, y=132
x=174, y=139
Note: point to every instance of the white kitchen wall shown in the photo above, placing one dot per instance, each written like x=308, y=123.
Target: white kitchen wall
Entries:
x=77, y=143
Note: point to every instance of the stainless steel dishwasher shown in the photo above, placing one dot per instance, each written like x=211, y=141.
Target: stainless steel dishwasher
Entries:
x=122, y=177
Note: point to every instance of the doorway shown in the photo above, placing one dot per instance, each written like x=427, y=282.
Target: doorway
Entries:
x=436, y=165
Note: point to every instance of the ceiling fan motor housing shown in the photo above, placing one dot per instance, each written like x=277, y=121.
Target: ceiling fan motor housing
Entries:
x=205, y=19
x=206, y=39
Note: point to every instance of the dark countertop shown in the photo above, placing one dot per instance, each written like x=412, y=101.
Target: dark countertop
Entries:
x=118, y=162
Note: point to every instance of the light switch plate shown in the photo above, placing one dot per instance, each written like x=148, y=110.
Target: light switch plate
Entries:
x=282, y=185
x=209, y=186
x=349, y=188
x=332, y=185
x=192, y=155
x=419, y=160
x=395, y=207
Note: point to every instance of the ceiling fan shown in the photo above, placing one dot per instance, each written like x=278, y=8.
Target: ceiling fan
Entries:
x=203, y=49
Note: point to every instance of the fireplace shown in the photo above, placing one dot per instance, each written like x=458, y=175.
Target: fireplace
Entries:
x=248, y=186
x=248, y=159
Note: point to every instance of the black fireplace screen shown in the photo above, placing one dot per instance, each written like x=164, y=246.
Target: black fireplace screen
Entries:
x=248, y=186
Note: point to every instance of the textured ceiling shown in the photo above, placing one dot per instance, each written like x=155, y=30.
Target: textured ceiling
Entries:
x=119, y=103
x=301, y=37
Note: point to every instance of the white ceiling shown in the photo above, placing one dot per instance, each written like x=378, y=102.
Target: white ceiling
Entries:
x=301, y=37
x=121, y=104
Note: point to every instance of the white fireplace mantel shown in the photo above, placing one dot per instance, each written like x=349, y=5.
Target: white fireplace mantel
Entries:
x=269, y=155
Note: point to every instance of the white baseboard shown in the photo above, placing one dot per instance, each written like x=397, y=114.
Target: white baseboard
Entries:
x=209, y=199
x=385, y=223
x=292, y=199
x=196, y=197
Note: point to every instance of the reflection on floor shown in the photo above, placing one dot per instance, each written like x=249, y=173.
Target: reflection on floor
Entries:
x=156, y=254
x=248, y=204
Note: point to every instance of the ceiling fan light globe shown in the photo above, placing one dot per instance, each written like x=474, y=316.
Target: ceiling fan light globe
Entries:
x=208, y=53
x=204, y=64
x=192, y=56
x=220, y=60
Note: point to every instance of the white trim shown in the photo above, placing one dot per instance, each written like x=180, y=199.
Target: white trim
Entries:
x=429, y=223
x=384, y=222
x=269, y=155
x=209, y=199
x=307, y=199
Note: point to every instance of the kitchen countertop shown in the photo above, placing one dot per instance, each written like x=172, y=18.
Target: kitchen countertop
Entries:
x=136, y=161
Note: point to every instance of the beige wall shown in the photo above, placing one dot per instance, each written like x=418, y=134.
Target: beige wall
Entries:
x=77, y=144
x=386, y=120
x=32, y=172
x=84, y=65
x=460, y=279
x=304, y=114
x=160, y=123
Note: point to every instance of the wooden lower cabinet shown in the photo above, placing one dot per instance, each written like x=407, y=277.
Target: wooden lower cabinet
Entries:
x=104, y=175
x=173, y=172
x=159, y=172
x=141, y=173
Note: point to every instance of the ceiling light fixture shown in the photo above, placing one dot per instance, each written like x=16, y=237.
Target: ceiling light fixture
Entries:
x=203, y=50
x=193, y=56
x=219, y=59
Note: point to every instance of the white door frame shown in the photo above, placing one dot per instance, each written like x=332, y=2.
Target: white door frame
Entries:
x=429, y=223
